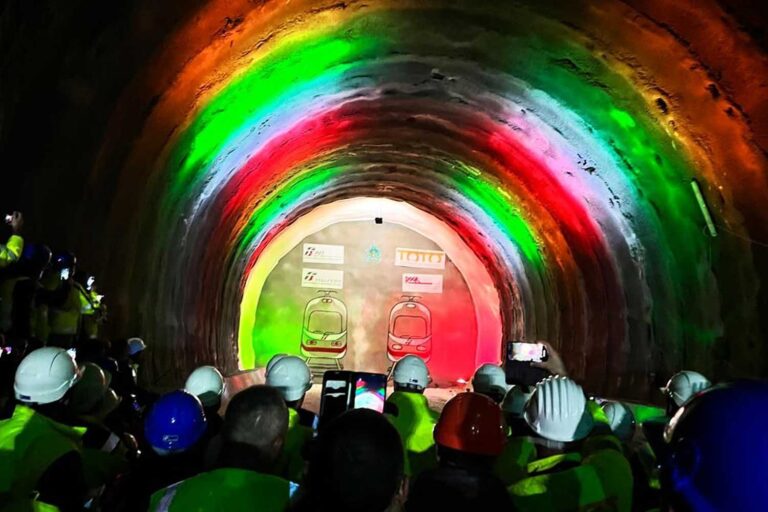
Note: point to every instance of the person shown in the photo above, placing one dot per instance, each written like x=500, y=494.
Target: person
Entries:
x=718, y=450
x=10, y=252
x=207, y=384
x=18, y=291
x=254, y=430
x=93, y=311
x=62, y=299
x=470, y=435
x=129, y=354
x=173, y=429
x=681, y=387
x=40, y=454
x=519, y=451
x=491, y=381
x=356, y=463
x=291, y=376
x=408, y=410
x=594, y=473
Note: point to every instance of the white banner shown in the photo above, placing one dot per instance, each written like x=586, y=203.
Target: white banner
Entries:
x=419, y=258
x=422, y=283
x=321, y=253
x=322, y=278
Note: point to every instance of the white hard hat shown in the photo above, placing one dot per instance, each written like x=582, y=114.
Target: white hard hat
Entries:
x=683, y=385
x=557, y=410
x=411, y=370
x=207, y=384
x=514, y=401
x=135, y=345
x=45, y=375
x=490, y=379
x=620, y=419
x=291, y=376
x=275, y=358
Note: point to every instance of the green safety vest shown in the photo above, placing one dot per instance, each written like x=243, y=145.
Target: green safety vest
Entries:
x=65, y=319
x=11, y=251
x=415, y=422
x=29, y=443
x=603, y=481
x=291, y=462
x=512, y=464
x=227, y=489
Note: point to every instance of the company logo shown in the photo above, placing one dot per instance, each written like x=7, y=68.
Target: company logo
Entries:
x=422, y=283
x=322, y=278
x=419, y=258
x=321, y=253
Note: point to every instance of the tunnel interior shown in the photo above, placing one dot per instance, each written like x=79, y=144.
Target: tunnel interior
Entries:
x=597, y=170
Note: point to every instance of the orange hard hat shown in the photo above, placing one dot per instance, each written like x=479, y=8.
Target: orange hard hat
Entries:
x=472, y=423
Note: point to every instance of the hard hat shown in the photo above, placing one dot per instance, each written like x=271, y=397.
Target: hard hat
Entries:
x=38, y=255
x=175, y=422
x=557, y=410
x=514, y=401
x=411, y=370
x=135, y=345
x=62, y=260
x=683, y=385
x=620, y=419
x=275, y=358
x=472, y=423
x=719, y=449
x=207, y=384
x=91, y=393
x=291, y=376
x=490, y=379
x=45, y=375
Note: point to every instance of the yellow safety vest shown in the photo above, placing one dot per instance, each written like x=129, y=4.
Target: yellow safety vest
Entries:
x=29, y=443
x=415, y=422
x=65, y=319
x=291, y=462
x=11, y=251
x=227, y=489
x=512, y=464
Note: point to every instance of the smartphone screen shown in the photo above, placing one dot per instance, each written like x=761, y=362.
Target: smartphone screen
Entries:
x=370, y=391
x=64, y=274
x=528, y=352
x=90, y=282
x=335, y=397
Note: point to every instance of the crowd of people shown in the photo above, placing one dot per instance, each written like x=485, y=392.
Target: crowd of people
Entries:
x=78, y=432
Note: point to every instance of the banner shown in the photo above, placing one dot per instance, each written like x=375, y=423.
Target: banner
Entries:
x=322, y=278
x=321, y=253
x=419, y=258
x=422, y=283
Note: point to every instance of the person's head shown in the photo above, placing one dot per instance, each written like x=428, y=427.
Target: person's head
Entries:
x=35, y=258
x=207, y=384
x=44, y=377
x=719, y=450
x=410, y=374
x=91, y=395
x=557, y=410
x=175, y=423
x=620, y=419
x=356, y=463
x=491, y=381
x=471, y=432
x=136, y=348
x=275, y=358
x=254, y=430
x=65, y=264
x=682, y=386
x=290, y=375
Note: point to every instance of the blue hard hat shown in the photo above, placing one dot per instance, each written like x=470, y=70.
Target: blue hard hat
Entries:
x=38, y=254
x=62, y=260
x=175, y=422
x=718, y=446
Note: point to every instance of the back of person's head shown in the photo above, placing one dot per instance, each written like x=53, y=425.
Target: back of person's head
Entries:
x=175, y=423
x=455, y=489
x=684, y=385
x=45, y=376
x=558, y=410
x=207, y=384
x=254, y=428
x=719, y=450
x=291, y=376
x=356, y=463
x=410, y=374
x=491, y=381
x=91, y=395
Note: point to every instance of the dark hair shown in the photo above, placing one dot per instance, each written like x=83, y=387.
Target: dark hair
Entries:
x=356, y=463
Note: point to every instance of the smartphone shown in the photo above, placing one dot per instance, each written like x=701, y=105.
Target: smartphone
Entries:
x=370, y=391
x=523, y=372
x=64, y=276
x=335, y=397
x=8, y=219
x=528, y=352
x=90, y=282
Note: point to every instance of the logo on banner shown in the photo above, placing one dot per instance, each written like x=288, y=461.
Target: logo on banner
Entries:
x=422, y=283
x=321, y=253
x=322, y=278
x=373, y=254
x=419, y=258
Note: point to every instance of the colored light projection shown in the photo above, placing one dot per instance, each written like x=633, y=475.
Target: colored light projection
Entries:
x=552, y=140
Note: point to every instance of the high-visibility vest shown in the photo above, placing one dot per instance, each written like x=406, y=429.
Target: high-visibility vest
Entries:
x=415, y=422
x=512, y=464
x=29, y=443
x=227, y=489
x=291, y=462
x=11, y=251
x=65, y=319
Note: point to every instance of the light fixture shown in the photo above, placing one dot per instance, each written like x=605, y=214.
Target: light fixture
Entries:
x=704, y=208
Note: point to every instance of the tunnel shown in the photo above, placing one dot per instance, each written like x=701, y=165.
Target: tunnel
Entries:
x=594, y=171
